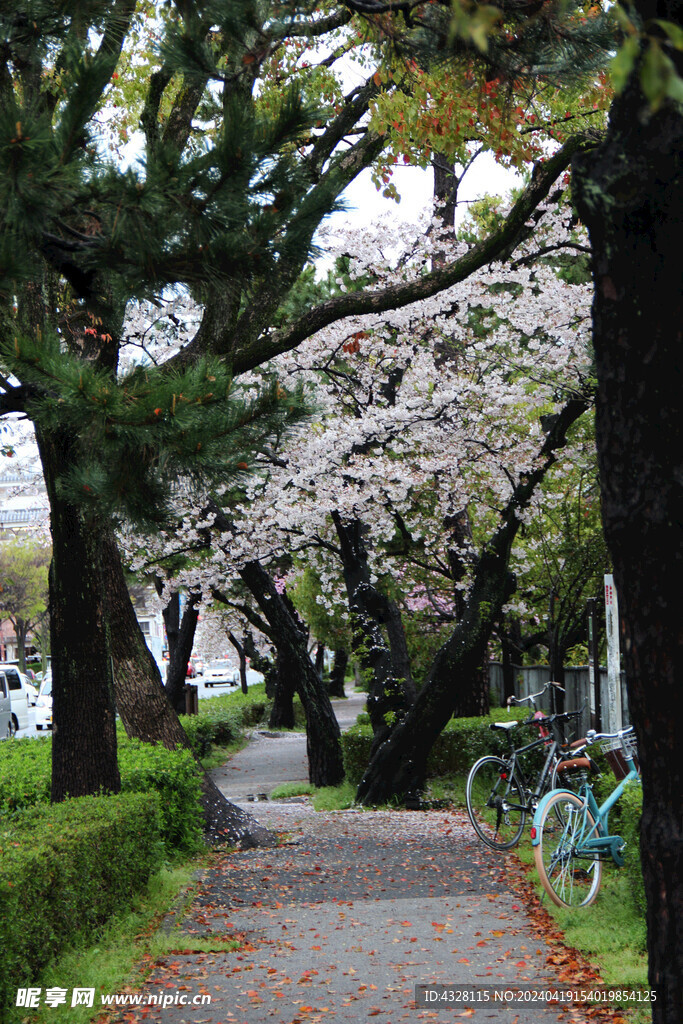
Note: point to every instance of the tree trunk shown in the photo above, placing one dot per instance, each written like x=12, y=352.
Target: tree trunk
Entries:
x=261, y=663
x=630, y=194
x=20, y=632
x=325, y=765
x=320, y=659
x=385, y=662
x=84, y=733
x=242, y=655
x=338, y=673
x=398, y=767
x=508, y=668
x=282, y=711
x=146, y=711
x=180, y=635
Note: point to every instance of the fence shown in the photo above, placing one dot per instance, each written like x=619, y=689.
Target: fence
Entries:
x=532, y=678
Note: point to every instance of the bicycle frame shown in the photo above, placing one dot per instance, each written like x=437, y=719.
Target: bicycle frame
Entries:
x=516, y=768
x=603, y=844
x=554, y=745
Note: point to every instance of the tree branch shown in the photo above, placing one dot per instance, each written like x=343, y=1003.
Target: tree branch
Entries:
x=259, y=350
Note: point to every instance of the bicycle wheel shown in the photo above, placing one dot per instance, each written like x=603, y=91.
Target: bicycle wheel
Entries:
x=570, y=878
x=495, y=803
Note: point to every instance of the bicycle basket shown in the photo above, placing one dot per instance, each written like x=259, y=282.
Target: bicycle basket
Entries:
x=613, y=752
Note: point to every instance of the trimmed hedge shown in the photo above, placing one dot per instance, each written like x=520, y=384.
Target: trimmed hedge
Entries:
x=25, y=766
x=222, y=719
x=64, y=870
x=462, y=742
x=25, y=772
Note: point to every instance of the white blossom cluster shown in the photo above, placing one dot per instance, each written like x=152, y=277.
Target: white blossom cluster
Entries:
x=423, y=413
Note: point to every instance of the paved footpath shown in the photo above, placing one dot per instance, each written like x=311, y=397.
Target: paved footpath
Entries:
x=348, y=915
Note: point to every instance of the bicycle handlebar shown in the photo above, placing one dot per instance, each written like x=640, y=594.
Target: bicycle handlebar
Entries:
x=549, y=720
x=592, y=736
x=532, y=696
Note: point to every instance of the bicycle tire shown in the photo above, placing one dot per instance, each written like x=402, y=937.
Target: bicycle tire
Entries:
x=496, y=804
x=569, y=879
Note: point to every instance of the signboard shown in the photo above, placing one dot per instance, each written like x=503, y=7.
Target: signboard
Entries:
x=612, y=713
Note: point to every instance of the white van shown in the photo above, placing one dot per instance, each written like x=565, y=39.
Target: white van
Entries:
x=5, y=709
x=19, y=696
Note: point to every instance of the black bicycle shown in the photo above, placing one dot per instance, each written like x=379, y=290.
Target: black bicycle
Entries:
x=498, y=795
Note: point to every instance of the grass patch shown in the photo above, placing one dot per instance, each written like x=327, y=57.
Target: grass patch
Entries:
x=289, y=789
x=111, y=961
x=334, y=798
x=217, y=756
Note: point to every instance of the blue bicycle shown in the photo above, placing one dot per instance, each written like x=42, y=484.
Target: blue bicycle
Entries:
x=570, y=847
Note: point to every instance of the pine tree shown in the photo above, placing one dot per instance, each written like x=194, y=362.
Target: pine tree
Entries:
x=221, y=206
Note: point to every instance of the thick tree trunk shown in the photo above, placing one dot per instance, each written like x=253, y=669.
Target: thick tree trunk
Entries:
x=180, y=635
x=146, y=711
x=84, y=733
x=338, y=673
x=630, y=194
x=398, y=767
x=325, y=765
x=385, y=662
x=282, y=711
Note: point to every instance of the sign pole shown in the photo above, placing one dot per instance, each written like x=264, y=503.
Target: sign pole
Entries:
x=613, y=659
x=594, y=665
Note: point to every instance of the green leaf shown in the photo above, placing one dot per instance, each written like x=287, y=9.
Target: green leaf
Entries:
x=624, y=62
x=673, y=31
x=657, y=75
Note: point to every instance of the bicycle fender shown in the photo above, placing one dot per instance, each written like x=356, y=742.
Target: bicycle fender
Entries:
x=535, y=825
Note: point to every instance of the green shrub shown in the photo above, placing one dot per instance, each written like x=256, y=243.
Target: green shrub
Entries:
x=461, y=743
x=25, y=771
x=173, y=774
x=624, y=820
x=221, y=719
x=64, y=870
x=630, y=812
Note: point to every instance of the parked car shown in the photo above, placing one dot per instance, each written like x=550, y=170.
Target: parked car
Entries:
x=44, y=703
x=31, y=689
x=221, y=673
x=5, y=709
x=20, y=697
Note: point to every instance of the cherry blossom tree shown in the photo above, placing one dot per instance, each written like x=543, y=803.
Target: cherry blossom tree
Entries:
x=452, y=406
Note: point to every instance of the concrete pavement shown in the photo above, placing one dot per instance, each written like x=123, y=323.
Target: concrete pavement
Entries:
x=348, y=915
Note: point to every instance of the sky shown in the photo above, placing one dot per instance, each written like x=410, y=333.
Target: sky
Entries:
x=415, y=187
